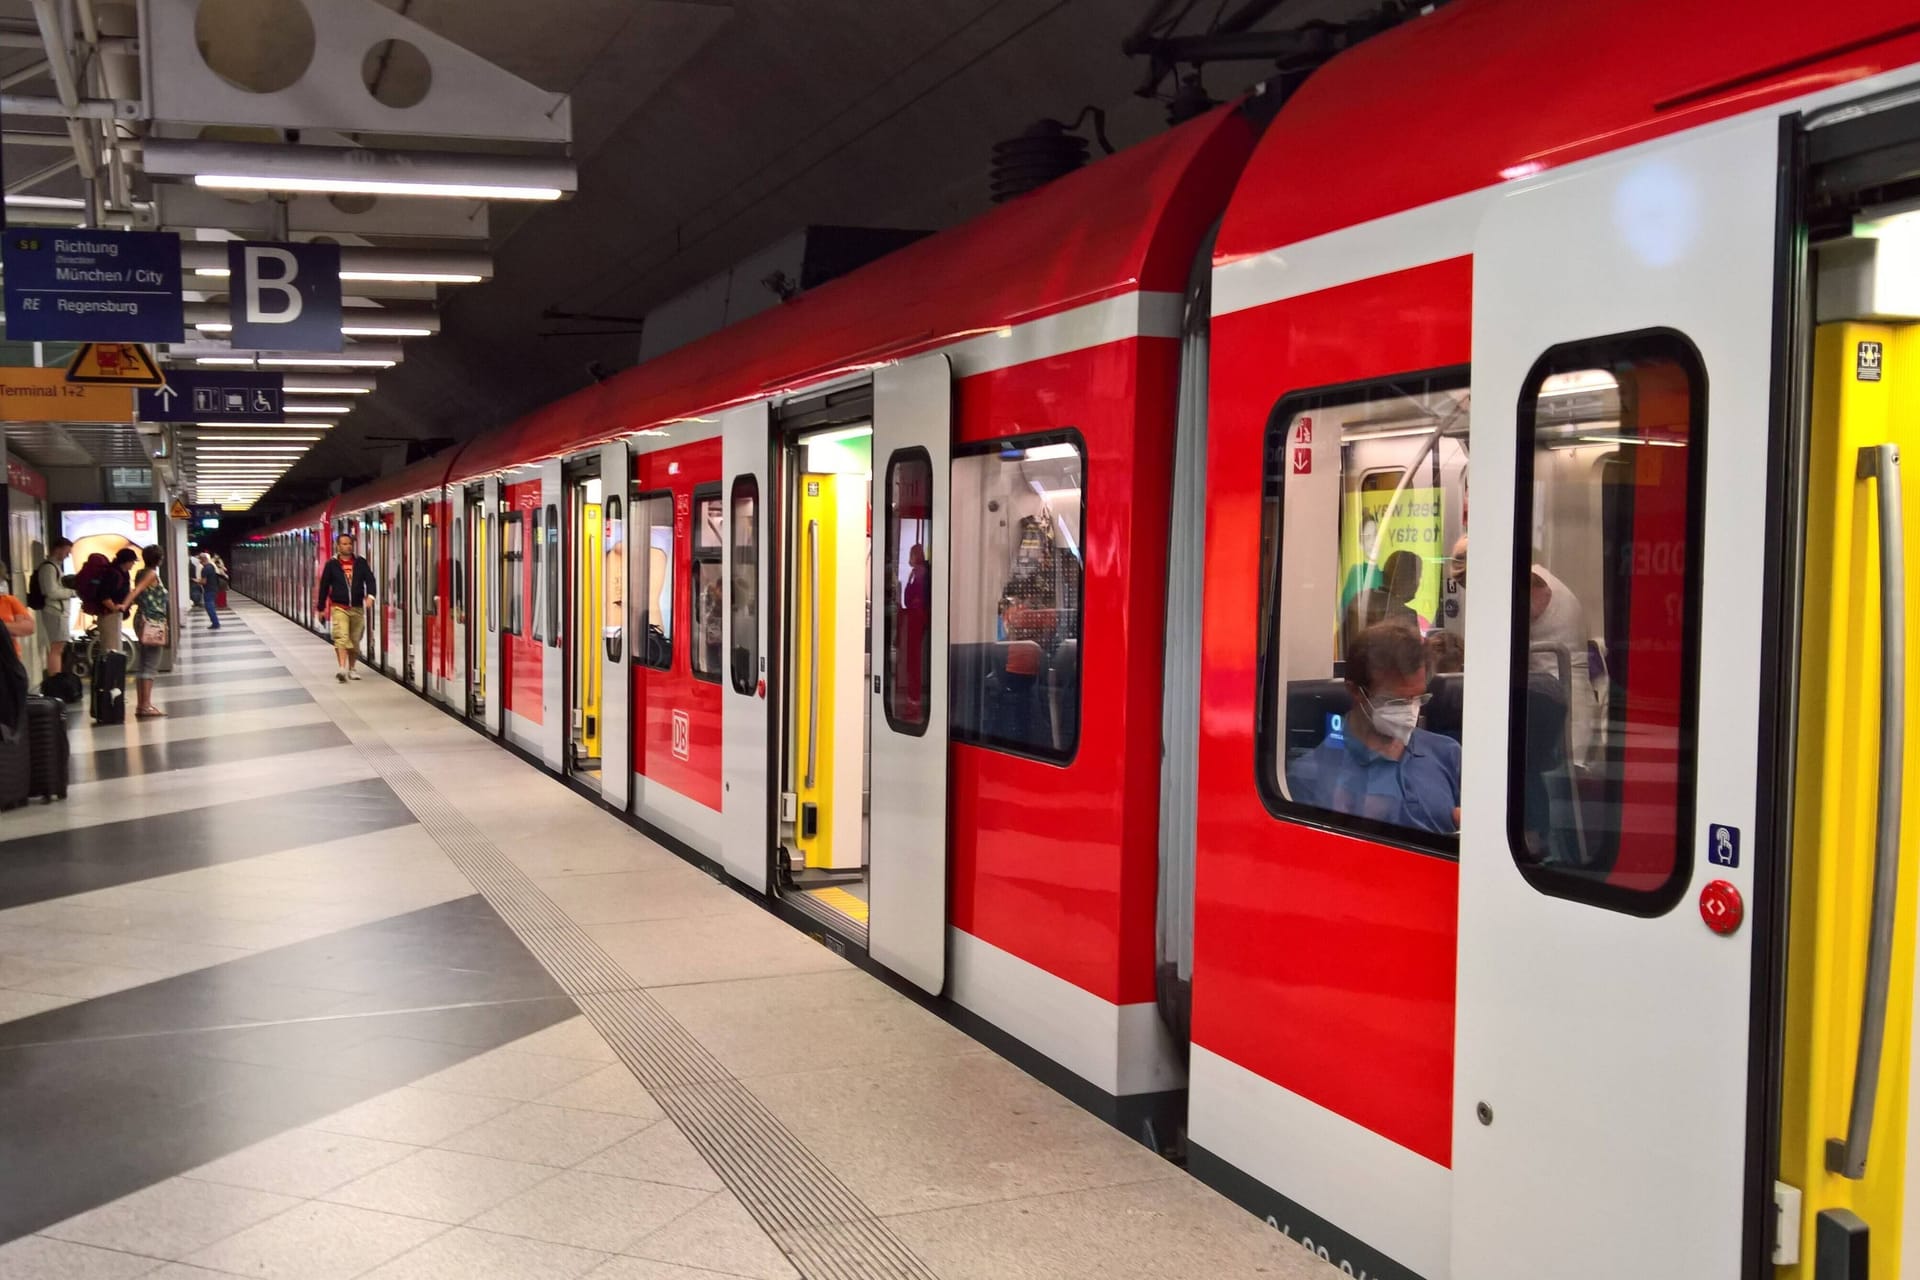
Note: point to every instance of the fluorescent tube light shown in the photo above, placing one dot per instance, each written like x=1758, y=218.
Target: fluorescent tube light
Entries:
x=380, y=331
x=317, y=408
x=373, y=187
x=292, y=390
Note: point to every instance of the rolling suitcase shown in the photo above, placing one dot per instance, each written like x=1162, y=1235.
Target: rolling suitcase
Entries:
x=47, y=748
x=15, y=771
x=110, y=688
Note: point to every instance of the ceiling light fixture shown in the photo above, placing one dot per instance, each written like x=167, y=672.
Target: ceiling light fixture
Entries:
x=292, y=390
x=254, y=166
x=317, y=408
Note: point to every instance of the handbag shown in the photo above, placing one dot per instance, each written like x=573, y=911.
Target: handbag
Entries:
x=153, y=632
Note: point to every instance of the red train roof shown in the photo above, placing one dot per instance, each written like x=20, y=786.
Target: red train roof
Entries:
x=417, y=477
x=1483, y=91
x=1128, y=222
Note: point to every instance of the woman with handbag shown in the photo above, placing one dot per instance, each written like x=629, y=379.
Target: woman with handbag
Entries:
x=150, y=597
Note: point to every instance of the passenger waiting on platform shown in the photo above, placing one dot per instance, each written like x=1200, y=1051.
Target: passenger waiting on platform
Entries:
x=346, y=590
x=51, y=595
x=15, y=618
x=149, y=595
x=1381, y=765
x=116, y=599
x=209, y=579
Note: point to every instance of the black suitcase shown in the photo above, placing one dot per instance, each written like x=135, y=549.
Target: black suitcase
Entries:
x=63, y=685
x=110, y=688
x=15, y=769
x=47, y=748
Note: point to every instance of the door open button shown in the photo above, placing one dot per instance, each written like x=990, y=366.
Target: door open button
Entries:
x=1721, y=906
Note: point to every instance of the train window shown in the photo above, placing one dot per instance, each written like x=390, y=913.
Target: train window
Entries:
x=1014, y=558
x=429, y=569
x=1606, y=602
x=552, y=576
x=538, y=567
x=745, y=603
x=512, y=580
x=1360, y=611
x=910, y=586
x=653, y=582
x=705, y=644
x=458, y=581
x=615, y=558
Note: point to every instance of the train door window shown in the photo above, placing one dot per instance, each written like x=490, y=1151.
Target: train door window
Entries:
x=614, y=578
x=552, y=576
x=1606, y=621
x=1361, y=607
x=537, y=564
x=429, y=568
x=512, y=579
x=744, y=519
x=653, y=580
x=1015, y=579
x=704, y=645
x=458, y=582
x=910, y=585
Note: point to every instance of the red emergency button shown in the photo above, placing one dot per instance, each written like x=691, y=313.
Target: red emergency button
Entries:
x=1721, y=907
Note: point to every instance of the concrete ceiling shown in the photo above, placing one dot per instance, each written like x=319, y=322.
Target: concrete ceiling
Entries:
x=706, y=130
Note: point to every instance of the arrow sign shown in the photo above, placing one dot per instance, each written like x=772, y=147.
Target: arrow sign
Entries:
x=195, y=396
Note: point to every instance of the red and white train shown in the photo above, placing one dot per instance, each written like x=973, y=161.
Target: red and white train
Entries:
x=1003, y=609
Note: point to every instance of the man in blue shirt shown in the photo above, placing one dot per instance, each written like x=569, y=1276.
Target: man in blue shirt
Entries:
x=1383, y=766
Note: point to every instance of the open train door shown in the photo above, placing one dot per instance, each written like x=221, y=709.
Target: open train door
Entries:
x=488, y=573
x=1607, y=1100
x=608, y=634
x=745, y=830
x=912, y=452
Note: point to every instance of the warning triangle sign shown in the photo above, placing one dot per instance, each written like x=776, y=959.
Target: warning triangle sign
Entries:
x=119, y=364
x=179, y=510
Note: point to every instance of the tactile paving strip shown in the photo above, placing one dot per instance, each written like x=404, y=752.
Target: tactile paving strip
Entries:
x=816, y=1219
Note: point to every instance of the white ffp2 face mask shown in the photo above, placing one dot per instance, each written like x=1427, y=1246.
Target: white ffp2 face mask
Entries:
x=1394, y=720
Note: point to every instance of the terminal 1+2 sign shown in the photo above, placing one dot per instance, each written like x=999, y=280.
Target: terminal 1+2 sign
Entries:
x=92, y=285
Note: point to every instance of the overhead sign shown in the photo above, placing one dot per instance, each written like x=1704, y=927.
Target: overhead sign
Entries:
x=45, y=395
x=91, y=285
x=115, y=364
x=232, y=397
x=284, y=297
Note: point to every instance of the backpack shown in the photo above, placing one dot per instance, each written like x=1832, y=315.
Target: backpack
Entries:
x=95, y=576
x=36, y=598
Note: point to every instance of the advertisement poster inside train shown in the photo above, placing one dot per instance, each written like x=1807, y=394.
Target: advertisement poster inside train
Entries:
x=1391, y=556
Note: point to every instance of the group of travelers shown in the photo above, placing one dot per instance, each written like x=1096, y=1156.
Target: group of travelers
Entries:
x=129, y=584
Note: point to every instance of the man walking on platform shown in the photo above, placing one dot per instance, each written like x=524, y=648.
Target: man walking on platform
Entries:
x=346, y=592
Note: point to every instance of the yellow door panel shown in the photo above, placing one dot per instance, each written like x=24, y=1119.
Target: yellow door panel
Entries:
x=586, y=628
x=1836, y=796
x=829, y=672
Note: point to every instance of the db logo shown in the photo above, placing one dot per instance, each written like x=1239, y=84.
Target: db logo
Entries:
x=682, y=736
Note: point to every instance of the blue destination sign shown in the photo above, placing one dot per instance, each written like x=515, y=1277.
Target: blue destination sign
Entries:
x=193, y=396
x=90, y=285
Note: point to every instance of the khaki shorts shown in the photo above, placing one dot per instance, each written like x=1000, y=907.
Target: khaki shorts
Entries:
x=349, y=625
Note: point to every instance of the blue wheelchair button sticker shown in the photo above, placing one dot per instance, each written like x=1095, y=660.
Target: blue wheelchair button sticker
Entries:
x=1723, y=845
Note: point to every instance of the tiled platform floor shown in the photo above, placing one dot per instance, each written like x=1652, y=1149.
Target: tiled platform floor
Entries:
x=292, y=986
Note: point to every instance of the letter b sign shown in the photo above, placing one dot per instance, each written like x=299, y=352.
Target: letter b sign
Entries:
x=284, y=297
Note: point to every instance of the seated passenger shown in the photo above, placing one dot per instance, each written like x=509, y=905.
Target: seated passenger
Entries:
x=1383, y=766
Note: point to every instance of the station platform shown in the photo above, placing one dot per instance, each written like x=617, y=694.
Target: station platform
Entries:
x=311, y=980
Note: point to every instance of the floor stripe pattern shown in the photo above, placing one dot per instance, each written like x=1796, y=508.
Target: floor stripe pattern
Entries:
x=827, y=1232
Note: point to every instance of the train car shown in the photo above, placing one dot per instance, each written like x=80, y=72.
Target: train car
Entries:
x=280, y=564
x=1551, y=1023
x=1069, y=614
